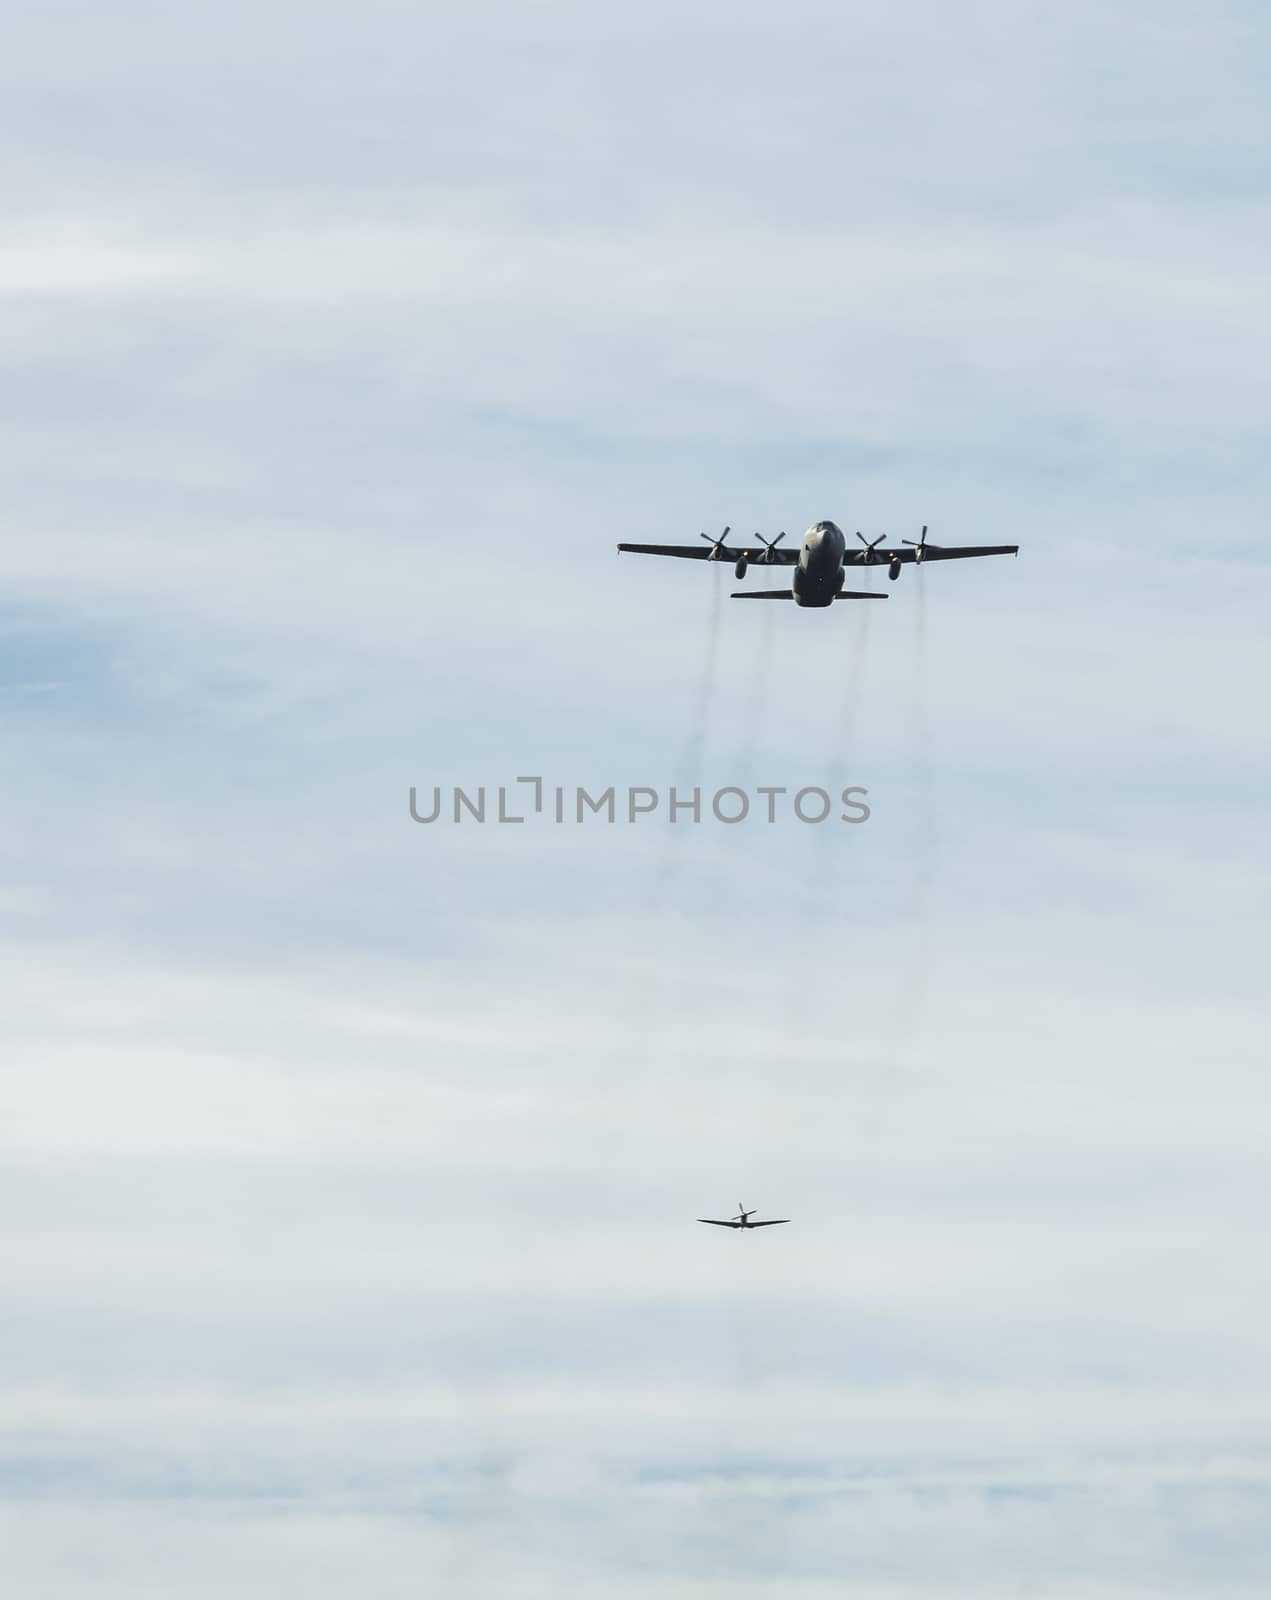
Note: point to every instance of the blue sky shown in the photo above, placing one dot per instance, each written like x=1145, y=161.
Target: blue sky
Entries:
x=349, y=1166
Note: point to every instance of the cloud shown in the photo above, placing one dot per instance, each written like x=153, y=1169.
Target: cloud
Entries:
x=349, y=1168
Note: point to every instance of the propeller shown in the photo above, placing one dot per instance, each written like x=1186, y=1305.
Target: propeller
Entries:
x=716, y=545
x=870, y=547
x=920, y=545
x=769, y=544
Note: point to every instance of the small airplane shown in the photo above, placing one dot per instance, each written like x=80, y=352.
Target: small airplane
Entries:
x=821, y=561
x=743, y=1220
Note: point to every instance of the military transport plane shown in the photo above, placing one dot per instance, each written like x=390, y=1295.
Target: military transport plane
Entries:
x=821, y=561
x=743, y=1221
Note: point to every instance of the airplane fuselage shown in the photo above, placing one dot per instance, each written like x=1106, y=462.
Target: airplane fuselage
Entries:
x=819, y=574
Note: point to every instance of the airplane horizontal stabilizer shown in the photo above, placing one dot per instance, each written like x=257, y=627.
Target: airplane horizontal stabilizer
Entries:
x=860, y=594
x=765, y=594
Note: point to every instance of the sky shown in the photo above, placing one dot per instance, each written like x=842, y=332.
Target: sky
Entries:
x=348, y=1165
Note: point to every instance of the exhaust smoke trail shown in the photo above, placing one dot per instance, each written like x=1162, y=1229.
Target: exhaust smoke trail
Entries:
x=690, y=762
x=804, y=1100
x=755, y=696
x=905, y=1014
x=654, y=1009
x=862, y=1097
x=828, y=845
x=661, y=877
x=854, y=686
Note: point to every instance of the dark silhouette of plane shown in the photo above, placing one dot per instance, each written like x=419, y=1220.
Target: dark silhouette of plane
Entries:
x=743, y=1221
x=821, y=562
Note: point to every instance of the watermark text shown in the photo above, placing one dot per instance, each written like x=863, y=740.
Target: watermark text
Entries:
x=530, y=799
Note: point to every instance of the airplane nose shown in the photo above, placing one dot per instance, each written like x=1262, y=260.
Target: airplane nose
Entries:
x=825, y=534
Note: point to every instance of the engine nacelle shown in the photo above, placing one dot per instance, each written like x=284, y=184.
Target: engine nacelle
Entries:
x=742, y=563
x=893, y=571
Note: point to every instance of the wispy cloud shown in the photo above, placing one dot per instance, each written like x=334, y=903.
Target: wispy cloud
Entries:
x=349, y=1167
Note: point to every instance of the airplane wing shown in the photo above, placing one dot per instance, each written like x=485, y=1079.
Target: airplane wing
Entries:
x=773, y=1222
x=788, y=594
x=716, y=1223
x=710, y=552
x=933, y=552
